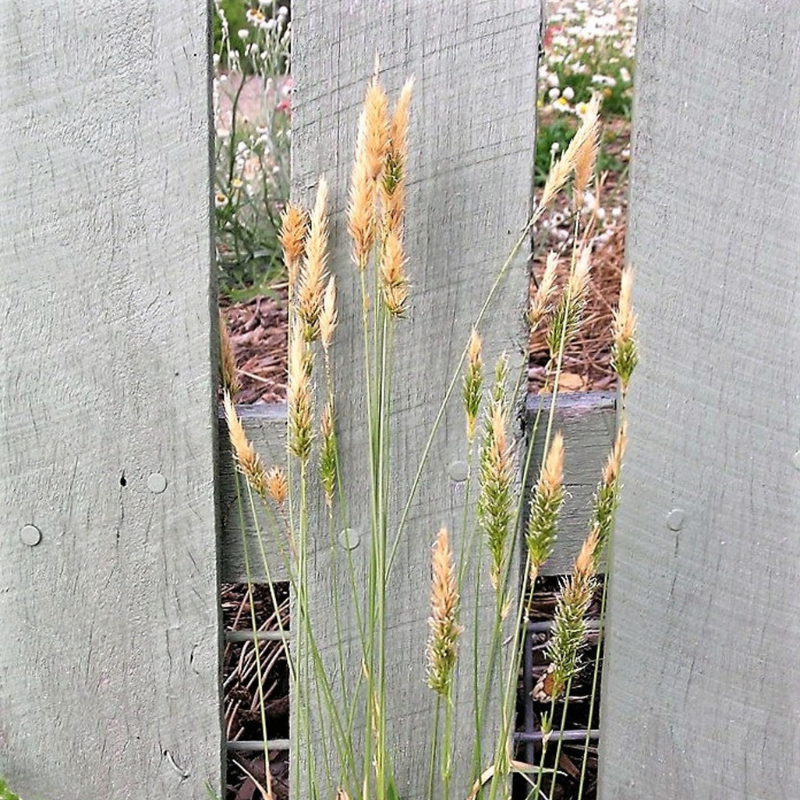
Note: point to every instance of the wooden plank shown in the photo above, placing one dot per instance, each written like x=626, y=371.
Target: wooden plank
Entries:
x=704, y=640
x=266, y=429
x=109, y=630
x=470, y=173
x=587, y=421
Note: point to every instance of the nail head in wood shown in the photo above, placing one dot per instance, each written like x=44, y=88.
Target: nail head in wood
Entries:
x=349, y=538
x=675, y=519
x=30, y=535
x=458, y=471
x=156, y=483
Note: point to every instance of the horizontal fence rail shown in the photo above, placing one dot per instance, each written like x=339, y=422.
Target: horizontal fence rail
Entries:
x=588, y=422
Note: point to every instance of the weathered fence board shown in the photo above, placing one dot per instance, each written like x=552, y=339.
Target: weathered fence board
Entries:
x=470, y=173
x=587, y=420
x=109, y=644
x=701, y=685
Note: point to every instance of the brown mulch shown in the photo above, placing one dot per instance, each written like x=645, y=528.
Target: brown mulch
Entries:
x=586, y=365
x=258, y=330
x=240, y=688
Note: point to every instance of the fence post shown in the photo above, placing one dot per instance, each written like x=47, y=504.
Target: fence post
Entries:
x=109, y=632
x=470, y=174
x=703, y=633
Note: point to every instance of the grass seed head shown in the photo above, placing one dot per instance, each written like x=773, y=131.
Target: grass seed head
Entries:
x=569, y=629
x=495, y=498
x=374, y=132
x=606, y=497
x=228, y=372
x=361, y=214
x=541, y=303
x=248, y=462
x=393, y=184
x=327, y=455
x=313, y=273
x=443, y=621
x=568, y=315
x=277, y=485
x=473, y=382
x=545, y=507
x=394, y=283
x=586, y=152
x=561, y=169
x=328, y=318
x=298, y=396
x=294, y=226
x=624, y=350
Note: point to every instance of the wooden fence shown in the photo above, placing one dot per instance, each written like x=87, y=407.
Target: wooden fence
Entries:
x=115, y=485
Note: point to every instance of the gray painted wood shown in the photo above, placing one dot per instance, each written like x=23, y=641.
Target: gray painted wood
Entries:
x=109, y=632
x=266, y=429
x=472, y=137
x=587, y=421
x=702, y=689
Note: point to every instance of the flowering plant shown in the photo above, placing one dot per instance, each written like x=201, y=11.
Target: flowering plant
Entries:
x=252, y=121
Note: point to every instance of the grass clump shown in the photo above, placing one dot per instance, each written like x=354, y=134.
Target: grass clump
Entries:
x=348, y=712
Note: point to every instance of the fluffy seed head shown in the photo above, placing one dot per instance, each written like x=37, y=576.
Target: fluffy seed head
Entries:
x=313, y=273
x=495, y=495
x=393, y=184
x=585, y=563
x=444, y=628
x=298, y=396
x=560, y=171
x=614, y=463
x=277, y=485
x=327, y=456
x=394, y=283
x=569, y=629
x=545, y=507
x=373, y=133
x=586, y=154
x=540, y=305
x=328, y=318
x=361, y=214
x=624, y=350
x=292, y=237
x=473, y=382
x=568, y=314
x=248, y=462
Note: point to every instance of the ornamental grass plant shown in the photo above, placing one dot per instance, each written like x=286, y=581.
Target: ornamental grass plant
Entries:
x=347, y=713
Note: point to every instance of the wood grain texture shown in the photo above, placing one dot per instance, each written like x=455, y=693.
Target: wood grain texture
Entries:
x=109, y=631
x=470, y=176
x=586, y=420
x=266, y=429
x=702, y=687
